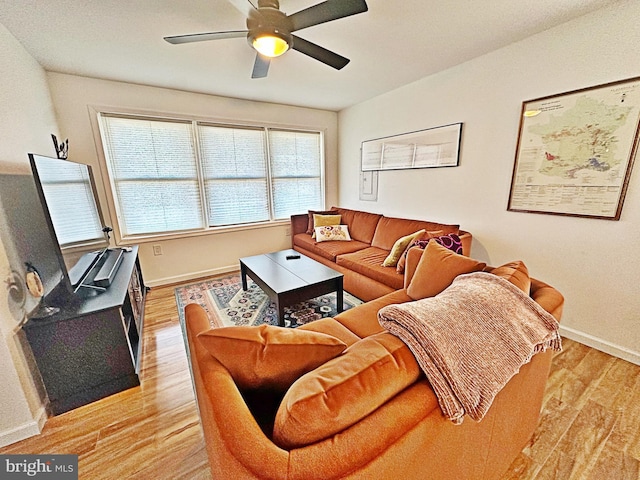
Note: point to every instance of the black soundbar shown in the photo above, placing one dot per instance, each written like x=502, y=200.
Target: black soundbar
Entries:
x=79, y=271
x=109, y=268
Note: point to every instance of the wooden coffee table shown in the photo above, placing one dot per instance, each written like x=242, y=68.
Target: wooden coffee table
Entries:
x=290, y=281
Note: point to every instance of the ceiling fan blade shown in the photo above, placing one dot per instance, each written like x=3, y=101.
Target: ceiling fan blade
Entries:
x=244, y=6
x=261, y=66
x=326, y=12
x=319, y=53
x=201, y=37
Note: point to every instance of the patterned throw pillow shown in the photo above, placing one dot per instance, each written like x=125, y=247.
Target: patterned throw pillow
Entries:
x=324, y=220
x=451, y=242
x=332, y=232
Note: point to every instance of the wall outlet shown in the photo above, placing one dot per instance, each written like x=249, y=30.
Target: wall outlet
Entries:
x=287, y=232
x=157, y=250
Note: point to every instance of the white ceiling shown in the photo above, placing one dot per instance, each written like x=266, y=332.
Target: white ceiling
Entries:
x=394, y=43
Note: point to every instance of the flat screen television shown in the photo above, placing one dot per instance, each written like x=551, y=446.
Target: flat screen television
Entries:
x=67, y=193
x=28, y=241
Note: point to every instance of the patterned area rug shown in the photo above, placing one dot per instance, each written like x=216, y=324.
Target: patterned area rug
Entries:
x=228, y=305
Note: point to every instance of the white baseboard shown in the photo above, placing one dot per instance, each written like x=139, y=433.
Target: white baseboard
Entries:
x=24, y=431
x=602, y=345
x=191, y=276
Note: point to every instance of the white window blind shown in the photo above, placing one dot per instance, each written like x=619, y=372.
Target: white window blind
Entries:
x=72, y=207
x=296, y=172
x=169, y=176
x=235, y=174
x=153, y=169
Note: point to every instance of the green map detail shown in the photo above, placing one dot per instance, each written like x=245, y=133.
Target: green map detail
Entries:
x=583, y=137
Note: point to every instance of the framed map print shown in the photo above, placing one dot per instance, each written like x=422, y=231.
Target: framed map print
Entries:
x=575, y=151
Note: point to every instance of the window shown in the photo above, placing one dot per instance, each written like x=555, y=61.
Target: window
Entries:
x=235, y=175
x=154, y=175
x=70, y=200
x=170, y=176
x=295, y=171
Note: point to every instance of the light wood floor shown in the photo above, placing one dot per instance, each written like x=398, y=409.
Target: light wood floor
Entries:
x=590, y=425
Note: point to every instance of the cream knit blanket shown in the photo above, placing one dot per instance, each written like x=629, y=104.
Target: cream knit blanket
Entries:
x=472, y=338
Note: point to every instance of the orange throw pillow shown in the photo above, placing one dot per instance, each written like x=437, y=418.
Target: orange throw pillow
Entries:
x=343, y=391
x=269, y=356
x=437, y=269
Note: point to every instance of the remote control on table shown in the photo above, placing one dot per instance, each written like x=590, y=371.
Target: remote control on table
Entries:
x=292, y=257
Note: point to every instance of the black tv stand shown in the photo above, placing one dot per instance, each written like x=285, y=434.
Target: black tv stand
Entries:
x=92, y=347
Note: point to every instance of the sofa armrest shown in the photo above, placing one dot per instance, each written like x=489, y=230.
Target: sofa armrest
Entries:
x=547, y=297
x=299, y=223
x=466, y=239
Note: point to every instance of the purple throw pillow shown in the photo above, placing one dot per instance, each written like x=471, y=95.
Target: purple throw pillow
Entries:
x=450, y=241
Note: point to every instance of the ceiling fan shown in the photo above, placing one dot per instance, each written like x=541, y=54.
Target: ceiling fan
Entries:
x=269, y=31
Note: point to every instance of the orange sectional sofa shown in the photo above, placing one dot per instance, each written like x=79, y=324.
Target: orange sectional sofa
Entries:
x=372, y=238
x=344, y=398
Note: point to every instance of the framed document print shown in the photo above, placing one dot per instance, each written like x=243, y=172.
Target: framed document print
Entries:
x=433, y=147
x=575, y=151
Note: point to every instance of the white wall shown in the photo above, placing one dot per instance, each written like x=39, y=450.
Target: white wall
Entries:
x=198, y=256
x=27, y=121
x=594, y=263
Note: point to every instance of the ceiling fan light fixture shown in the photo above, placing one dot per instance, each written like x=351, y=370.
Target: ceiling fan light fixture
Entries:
x=269, y=30
x=270, y=44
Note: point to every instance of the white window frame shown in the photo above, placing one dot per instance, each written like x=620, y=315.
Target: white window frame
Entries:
x=112, y=206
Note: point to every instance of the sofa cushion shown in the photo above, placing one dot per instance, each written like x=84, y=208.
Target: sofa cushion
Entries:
x=329, y=233
x=328, y=250
x=344, y=390
x=437, y=269
x=516, y=272
x=267, y=356
x=399, y=247
x=390, y=229
x=362, y=225
x=311, y=213
x=368, y=262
